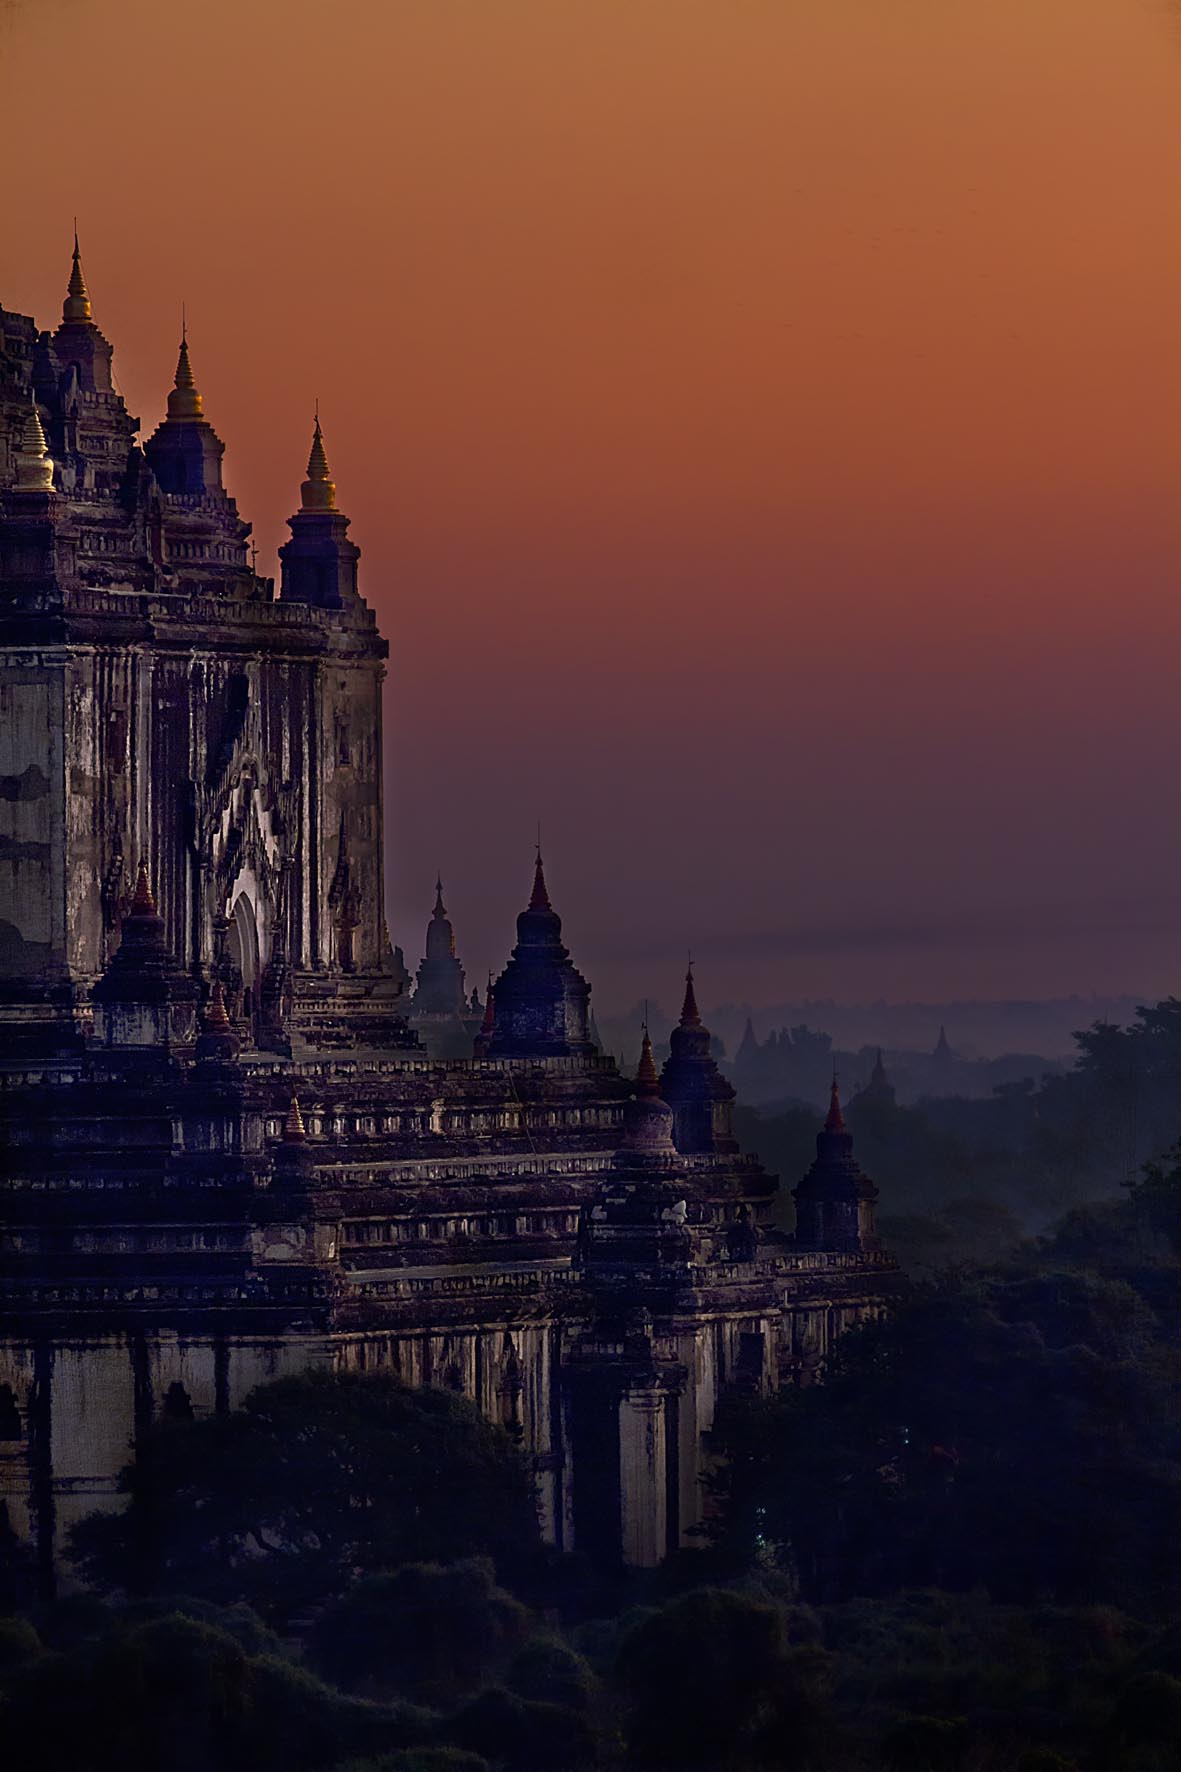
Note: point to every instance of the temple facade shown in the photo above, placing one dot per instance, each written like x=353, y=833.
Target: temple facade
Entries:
x=234, y=1140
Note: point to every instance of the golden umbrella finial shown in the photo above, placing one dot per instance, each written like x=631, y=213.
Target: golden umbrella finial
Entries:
x=143, y=904
x=215, y=1010
x=77, y=303
x=294, y=1130
x=34, y=469
x=184, y=401
x=318, y=492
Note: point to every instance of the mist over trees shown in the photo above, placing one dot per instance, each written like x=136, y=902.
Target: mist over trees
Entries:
x=965, y=1179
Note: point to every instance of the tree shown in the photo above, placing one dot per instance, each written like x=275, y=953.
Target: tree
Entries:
x=1156, y=1196
x=982, y=1436
x=711, y=1680
x=313, y=1480
x=174, y=1695
x=420, y=1759
x=520, y=1735
x=426, y=1632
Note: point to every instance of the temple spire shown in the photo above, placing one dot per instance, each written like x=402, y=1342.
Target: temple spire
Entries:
x=34, y=469
x=836, y=1120
x=142, y=903
x=647, y=1076
x=215, y=1010
x=294, y=1130
x=77, y=303
x=184, y=401
x=540, y=899
x=318, y=492
x=440, y=907
x=690, y=1014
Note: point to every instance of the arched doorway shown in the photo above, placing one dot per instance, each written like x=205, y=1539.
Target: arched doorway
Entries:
x=242, y=944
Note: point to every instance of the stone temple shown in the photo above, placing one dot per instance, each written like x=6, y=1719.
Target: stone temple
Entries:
x=226, y=1152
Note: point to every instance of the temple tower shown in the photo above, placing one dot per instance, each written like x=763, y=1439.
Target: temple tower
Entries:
x=440, y=1014
x=701, y=1100
x=319, y=562
x=440, y=975
x=542, y=1000
x=634, y=1253
x=835, y=1200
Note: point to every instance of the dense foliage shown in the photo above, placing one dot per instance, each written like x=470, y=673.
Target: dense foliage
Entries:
x=314, y=1480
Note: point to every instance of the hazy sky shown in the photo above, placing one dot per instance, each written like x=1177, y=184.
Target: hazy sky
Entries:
x=759, y=419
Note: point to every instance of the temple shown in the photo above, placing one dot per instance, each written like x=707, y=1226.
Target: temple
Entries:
x=237, y=1139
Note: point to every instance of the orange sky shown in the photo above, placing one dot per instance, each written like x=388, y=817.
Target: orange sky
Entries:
x=759, y=420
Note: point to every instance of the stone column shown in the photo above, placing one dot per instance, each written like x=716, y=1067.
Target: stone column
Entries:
x=643, y=1476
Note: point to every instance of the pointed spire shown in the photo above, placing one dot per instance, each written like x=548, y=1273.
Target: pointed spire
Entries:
x=318, y=492
x=836, y=1120
x=647, y=1076
x=216, y=1019
x=540, y=899
x=489, y=1020
x=34, y=469
x=690, y=1014
x=184, y=401
x=294, y=1131
x=77, y=303
x=143, y=904
x=440, y=908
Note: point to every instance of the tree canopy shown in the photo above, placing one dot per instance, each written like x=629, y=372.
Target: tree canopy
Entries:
x=314, y=1480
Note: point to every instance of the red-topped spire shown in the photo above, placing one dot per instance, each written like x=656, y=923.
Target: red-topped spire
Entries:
x=647, y=1076
x=540, y=899
x=690, y=1014
x=142, y=904
x=836, y=1120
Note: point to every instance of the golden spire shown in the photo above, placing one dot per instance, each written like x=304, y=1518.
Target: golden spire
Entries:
x=143, y=904
x=34, y=470
x=318, y=493
x=647, y=1076
x=184, y=401
x=215, y=1010
x=294, y=1130
x=77, y=303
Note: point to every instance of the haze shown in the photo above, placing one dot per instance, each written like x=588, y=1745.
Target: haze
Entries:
x=759, y=422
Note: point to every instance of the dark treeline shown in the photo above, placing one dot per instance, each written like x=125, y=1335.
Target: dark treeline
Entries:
x=957, y=1554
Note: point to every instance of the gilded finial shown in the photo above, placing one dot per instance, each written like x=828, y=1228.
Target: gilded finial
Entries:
x=143, y=904
x=216, y=1018
x=294, y=1130
x=318, y=493
x=184, y=401
x=34, y=469
x=77, y=303
x=647, y=1076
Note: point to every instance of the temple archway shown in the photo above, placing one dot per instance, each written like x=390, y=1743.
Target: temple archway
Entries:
x=243, y=940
